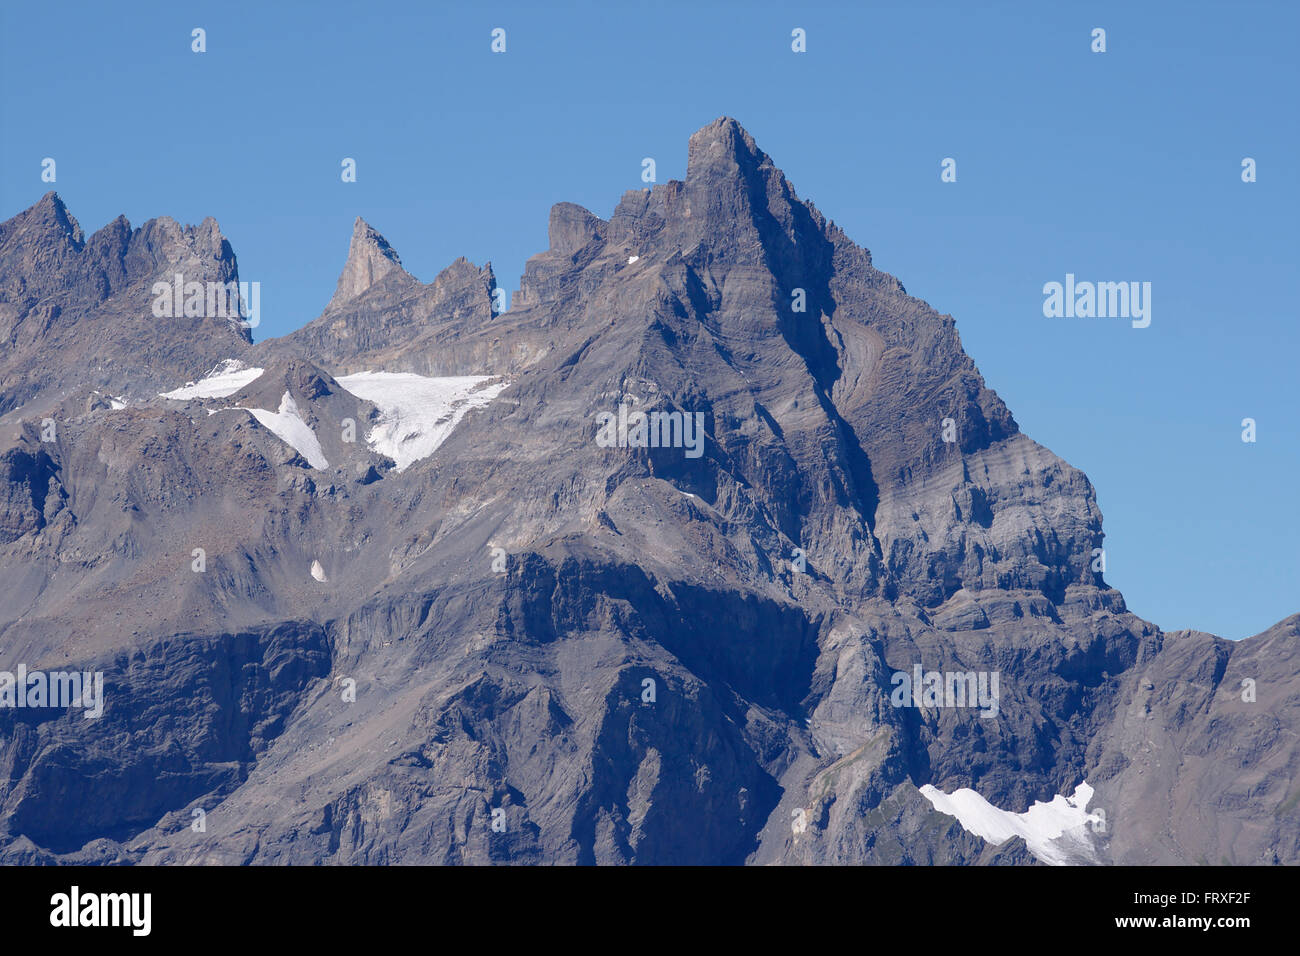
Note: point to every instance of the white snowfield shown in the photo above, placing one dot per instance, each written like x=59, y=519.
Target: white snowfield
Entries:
x=417, y=413
x=1055, y=832
x=289, y=427
x=226, y=379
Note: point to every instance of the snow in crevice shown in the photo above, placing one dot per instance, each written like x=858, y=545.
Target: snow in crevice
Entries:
x=417, y=413
x=1056, y=832
x=288, y=426
x=224, y=380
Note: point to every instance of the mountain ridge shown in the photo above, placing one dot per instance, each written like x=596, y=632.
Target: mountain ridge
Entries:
x=863, y=504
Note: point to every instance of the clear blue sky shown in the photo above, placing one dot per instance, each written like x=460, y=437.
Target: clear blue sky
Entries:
x=1116, y=166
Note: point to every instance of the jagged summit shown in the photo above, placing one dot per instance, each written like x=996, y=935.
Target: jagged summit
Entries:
x=723, y=148
x=382, y=317
x=51, y=211
x=370, y=258
x=44, y=232
x=78, y=311
x=571, y=227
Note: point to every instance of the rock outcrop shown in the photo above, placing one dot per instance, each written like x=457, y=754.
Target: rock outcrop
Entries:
x=78, y=313
x=370, y=259
x=382, y=317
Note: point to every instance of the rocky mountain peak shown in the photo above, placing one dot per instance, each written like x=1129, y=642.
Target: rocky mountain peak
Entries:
x=383, y=317
x=735, y=202
x=52, y=210
x=47, y=223
x=370, y=258
x=572, y=227
x=71, y=307
x=723, y=149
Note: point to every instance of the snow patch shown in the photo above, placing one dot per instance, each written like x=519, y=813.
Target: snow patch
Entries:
x=288, y=426
x=115, y=402
x=224, y=380
x=632, y=259
x=1055, y=832
x=417, y=413
x=318, y=572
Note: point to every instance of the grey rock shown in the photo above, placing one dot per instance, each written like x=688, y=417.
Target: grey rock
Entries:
x=370, y=259
x=77, y=312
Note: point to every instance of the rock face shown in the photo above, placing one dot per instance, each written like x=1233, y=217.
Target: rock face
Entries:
x=370, y=258
x=77, y=312
x=382, y=317
x=540, y=645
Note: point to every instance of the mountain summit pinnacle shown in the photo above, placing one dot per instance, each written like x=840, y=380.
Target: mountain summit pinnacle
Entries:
x=721, y=149
x=370, y=258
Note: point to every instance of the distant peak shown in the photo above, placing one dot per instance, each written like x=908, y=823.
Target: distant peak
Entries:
x=724, y=127
x=365, y=233
x=370, y=258
x=571, y=227
x=721, y=149
x=51, y=211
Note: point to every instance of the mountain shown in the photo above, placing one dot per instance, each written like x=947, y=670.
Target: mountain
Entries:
x=370, y=259
x=383, y=317
x=497, y=623
x=79, y=313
